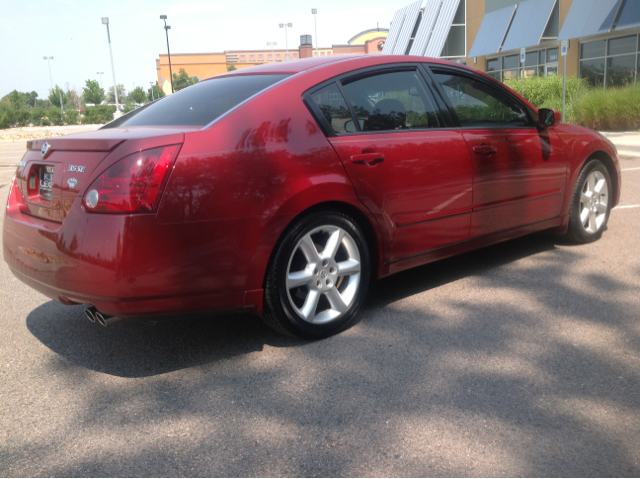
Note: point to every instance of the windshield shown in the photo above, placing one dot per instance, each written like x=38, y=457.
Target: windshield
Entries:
x=199, y=104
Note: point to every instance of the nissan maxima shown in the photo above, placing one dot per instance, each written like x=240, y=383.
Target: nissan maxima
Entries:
x=285, y=189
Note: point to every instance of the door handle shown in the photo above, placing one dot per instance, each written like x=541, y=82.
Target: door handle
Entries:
x=485, y=150
x=368, y=158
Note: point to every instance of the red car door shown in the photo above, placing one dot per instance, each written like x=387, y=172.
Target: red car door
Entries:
x=414, y=177
x=520, y=172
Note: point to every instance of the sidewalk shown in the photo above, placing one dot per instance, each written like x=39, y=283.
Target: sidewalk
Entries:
x=627, y=143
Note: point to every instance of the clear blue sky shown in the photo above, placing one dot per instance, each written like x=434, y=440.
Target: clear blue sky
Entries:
x=71, y=32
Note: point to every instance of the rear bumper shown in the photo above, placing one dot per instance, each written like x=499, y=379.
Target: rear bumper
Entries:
x=130, y=265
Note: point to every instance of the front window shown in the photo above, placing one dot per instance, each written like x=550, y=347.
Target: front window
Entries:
x=478, y=105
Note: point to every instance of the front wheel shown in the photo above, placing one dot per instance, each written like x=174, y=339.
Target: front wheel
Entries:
x=591, y=203
x=318, y=278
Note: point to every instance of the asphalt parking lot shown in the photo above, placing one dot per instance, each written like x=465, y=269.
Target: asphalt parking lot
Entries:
x=522, y=359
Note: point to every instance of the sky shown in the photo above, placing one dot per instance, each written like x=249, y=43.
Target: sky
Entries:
x=72, y=33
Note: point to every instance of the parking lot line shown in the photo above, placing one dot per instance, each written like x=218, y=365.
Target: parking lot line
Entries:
x=630, y=169
x=625, y=207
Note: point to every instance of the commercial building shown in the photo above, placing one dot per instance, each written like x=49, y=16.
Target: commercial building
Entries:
x=489, y=35
x=206, y=65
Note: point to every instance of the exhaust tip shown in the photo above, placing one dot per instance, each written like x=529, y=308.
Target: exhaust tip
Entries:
x=101, y=319
x=90, y=313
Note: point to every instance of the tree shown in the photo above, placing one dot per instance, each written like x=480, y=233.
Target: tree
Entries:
x=181, y=80
x=93, y=93
x=138, y=95
x=56, y=94
x=157, y=92
x=121, y=94
x=22, y=100
x=231, y=68
x=76, y=102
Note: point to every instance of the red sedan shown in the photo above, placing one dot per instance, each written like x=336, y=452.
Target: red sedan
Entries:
x=286, y=188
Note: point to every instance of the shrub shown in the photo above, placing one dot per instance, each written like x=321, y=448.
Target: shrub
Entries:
x=37, y=114
x=546, y=92
x=71, y=117
x=615, y=109
x=54, y=115
x=98, y=114
x=128, y=107
x=11, y=115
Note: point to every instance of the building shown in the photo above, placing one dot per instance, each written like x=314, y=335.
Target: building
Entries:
x=207, y=65
x=489, y=35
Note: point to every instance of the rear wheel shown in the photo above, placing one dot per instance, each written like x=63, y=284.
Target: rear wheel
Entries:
x=591, y=203
x=318, y=278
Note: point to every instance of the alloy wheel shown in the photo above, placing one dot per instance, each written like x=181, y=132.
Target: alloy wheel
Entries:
x=323, y=274
x=594, y=202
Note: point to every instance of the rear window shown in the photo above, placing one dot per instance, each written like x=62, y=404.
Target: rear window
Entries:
x=200, y=104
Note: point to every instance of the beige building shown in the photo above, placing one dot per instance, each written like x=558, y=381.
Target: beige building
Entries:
x=206, y=65
x=490, y=35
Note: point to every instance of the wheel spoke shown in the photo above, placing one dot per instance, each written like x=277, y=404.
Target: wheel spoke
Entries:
x=299, y=278
x=333, y=243
x=600, y=185
x=592, y=183
x=585, y=199
x=309, y=250
x=335, y=300
x=602, y=208
x=310, y=304
x=593, y=223
x=349, y=267
x=584, y=215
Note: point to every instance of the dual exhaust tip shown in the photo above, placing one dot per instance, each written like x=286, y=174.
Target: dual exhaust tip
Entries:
x=96, y=316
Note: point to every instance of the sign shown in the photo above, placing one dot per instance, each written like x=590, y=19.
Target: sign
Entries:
x=564, y=48
x=523, y=51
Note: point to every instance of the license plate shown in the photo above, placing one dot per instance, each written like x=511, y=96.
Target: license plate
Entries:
x=46, y=181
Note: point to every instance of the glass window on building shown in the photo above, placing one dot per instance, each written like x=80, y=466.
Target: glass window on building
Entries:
x=455, y=45
x=540, y=62
x=610, y=63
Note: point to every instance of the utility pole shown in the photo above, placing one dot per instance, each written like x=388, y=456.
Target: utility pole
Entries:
x=105, y=21
x=314, y=11
x=49, y=63
x=100, y=73
x=166, y=30
x=151, y=90
x=286, y=38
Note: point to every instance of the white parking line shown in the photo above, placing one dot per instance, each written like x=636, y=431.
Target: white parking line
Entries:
x=626, y=207
x=630, y=169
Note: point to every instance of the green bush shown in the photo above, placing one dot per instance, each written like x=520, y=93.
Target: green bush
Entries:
x=11, y=115
x=37, y=114
x=128, y=107
x=98, y=114
x=72, y=117
x=546, y=92
x=615, y=109
x=54, y=115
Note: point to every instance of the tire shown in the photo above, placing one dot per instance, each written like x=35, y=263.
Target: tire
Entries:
x=590, y=204
x=318, y=278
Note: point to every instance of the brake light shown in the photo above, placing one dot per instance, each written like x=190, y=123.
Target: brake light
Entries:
x=133, y=184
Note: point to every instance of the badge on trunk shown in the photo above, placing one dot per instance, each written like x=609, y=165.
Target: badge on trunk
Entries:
x=72, y=182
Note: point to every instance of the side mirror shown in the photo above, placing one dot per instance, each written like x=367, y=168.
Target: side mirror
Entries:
x=548, y=117
x=350, y=127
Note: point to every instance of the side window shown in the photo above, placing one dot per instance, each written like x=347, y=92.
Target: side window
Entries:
x=391, y=101
x=477, y=104
x=334, y=109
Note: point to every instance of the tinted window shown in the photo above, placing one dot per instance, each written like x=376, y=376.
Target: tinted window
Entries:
x=334, y=109
x=200, y=104
x=391, y=101
x=477, y=104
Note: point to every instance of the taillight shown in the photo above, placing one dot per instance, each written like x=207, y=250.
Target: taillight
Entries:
x=133, y=184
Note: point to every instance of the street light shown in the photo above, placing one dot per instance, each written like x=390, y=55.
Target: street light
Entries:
x=272, y=44
x=286, y=38
x=314, y=12
x=49, y=62
x=166, y=30
x=151, y=89
x=105, y=21
x=100, y=73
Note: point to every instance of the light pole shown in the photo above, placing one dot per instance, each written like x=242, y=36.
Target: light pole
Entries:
x=49, y=62
x=105, y=21
x=314, y=11
x=166, y=30
x=100, y=73
x=286, y=38
x=272, y=44
x=151, y=90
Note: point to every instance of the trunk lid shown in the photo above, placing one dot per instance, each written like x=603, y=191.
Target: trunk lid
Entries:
x=55, y=170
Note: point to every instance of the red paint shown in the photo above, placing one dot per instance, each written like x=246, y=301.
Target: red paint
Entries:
x=237, y=185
